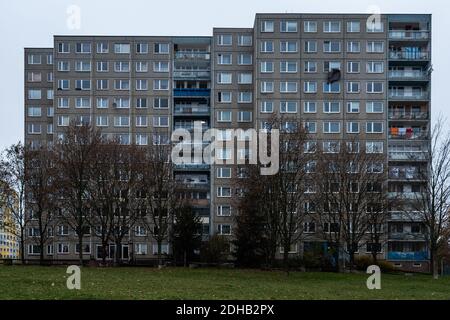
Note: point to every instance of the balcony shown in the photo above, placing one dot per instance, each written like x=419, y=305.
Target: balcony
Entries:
x=399, y=115
x=192, y=166
x=408, y=256
x=414, y=135
x=403, y=175
x=401, y=95
x=409, y=55
x=191, y=92
x=409, y=34
x=408, y=75
x=406, y=216
x=405, y=195
x=408, y=155
x=406, y=236
x=191, y=126
x=192, y=74
x=191, y=110
x=193, y=55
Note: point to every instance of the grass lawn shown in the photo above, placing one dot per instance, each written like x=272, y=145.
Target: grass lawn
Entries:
x=33, y=282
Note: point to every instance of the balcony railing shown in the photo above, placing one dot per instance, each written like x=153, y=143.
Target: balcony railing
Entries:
x=192, y=166
x=409, y=34
x=424, y=95
x=398, y=115
x=187, y=109
x=199, y=55
x=406, y=236
x=192, y=74
x=405, y=176
x=409, y=55
x=414, y=255
x=405, y=195
x=408, y=216
x=191, y=92
x=422, y=135
x=408, y=75
x=408, y=155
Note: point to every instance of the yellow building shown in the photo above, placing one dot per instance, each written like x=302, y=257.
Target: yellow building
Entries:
x=9, y=242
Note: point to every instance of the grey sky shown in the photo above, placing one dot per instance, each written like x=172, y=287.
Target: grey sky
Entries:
x=33, y=24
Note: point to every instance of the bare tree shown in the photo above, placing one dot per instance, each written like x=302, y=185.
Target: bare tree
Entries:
x=12, y=169
x=432, y=205
x=74, y=159
x=40, y=177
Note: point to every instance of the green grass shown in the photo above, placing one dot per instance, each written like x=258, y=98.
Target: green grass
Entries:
x=33, y=282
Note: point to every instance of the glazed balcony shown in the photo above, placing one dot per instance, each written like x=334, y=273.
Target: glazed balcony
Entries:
x=409, y=55
x=401, y=95
x=409, y=34
x=399, y=115
x=408, y=75
x=191, y=110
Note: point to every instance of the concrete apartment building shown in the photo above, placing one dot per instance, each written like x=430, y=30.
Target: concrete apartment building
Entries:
x=139, y=89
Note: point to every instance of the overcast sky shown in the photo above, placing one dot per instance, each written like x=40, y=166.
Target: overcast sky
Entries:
x=25, y=23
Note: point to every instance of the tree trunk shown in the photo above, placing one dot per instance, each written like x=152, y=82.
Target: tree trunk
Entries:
x=80, y=249
x=374, y=257
x=286, y=258
x=22, y=245
x=185, y=257
x=434, y=263
x=118, y=253
x=159, y=253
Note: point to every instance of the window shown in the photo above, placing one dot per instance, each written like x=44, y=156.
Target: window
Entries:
x=331, y=107
x=244, y=116
x=352, y=147
x=141, y=48
x=63, y=84
x=245, y=40
x=288, y=86
x=288, y=107
x=224, y=116
x=122, y=48
x=34, y=128
x=267, y=26
x=161, y=48
x=82, y=84
x=374, y=147
x=331, y=46
x=352, y=127
x=102, y=47
x=34, y=77
x=34, y=94
x=34, y=59
x=50, y=77
x=141, y=66
x=224, y=96
x=82, y=102
x=34, y=111
x=245, y=59
x=331, y=127
x=224, y=58
x=288, y=66
x=160, y=103
x=141, y=84
x=161, y=66
x=353, y=87
x=223, y=192
x=102, y=121
x=224, y=211
x=309, y=227
x=310, y=147
x=266, y=106
x=310, y=107
x=102, y=66
x=141, y=139
x=375, y=67
x=224, y=229
x=224, y=40
x=141, y=121
x=288, y=26
x=334, y=87
x=63, y=248
x=310, y=67
x=374, y=87
x=224, y=78
x=102, y=84
x=266, y=67
x=121, y=121
x=141, y=103
x=374, y=106
x=63, y=121
x=310, y=87
x=310, y=46
x=310, y=26
x=161, y=121
x=353, y=47
x=288, y=46
x=353, y=107
x=245, y=78
x=161, y=84
x=50, y=112
x=375, y=47
x=267, y=86
x=331, y=26
x=63, y=102
x=353, y=26
x=330, y=65
x=121, y=103
x=141, y=249
x=63, y=47
x=266, y=46
x=353, y=66
x=63, y=66
x=223, y=172
x=331, y=146
x=245, y=97
x=374, y=127
x=122, y=84
x=83, y=47
x=83, y=120
x=374, y=26
x=122, y=66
